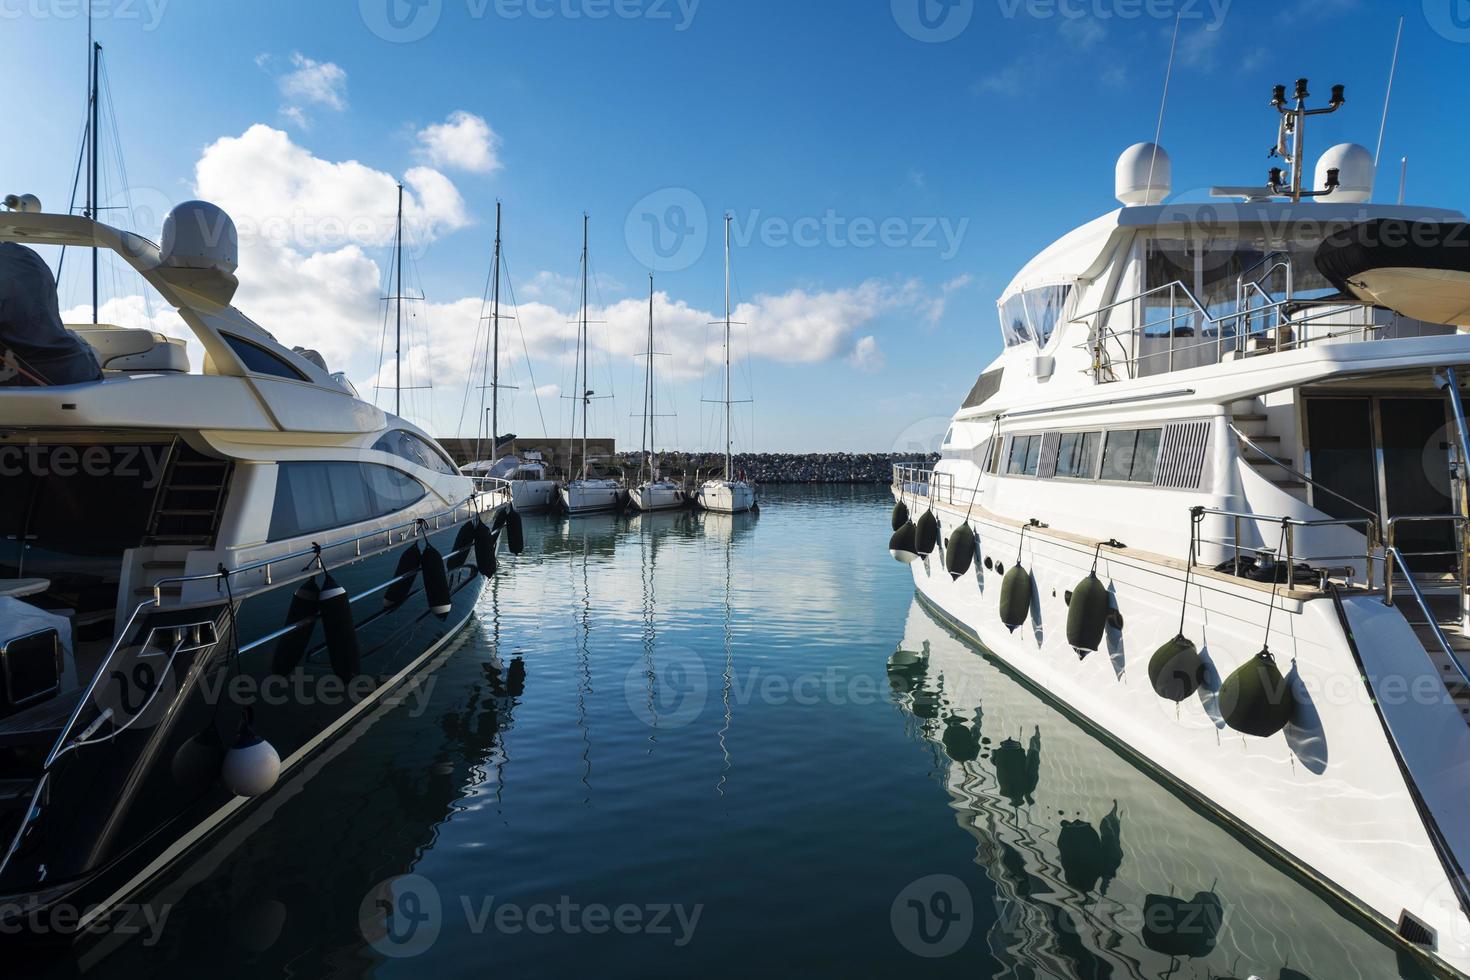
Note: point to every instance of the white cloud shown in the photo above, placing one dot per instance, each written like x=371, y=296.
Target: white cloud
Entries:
x=866, y=356
x=321, y=84
x=1081, y=32
x=462, y=142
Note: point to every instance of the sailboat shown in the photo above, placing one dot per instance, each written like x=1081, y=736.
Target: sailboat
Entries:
x=654, y=493
x=586, y=495
x=524, y=479
x=729, y=495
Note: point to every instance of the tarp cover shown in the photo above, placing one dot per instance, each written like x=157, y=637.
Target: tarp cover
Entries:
x=1393, y=243
x=32, y=338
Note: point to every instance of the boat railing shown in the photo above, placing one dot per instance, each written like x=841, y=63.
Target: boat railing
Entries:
x=923, y=480
x=1290, y=528
x=1189, y=335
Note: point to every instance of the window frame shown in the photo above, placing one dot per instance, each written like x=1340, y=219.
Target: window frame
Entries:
x=375, y=500
x=1095, y=470
x=1135, y=432
x=235, y=342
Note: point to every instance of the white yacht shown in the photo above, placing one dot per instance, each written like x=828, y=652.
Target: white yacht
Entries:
x=656, y=492
x=204, y=575
x=587, y=495
x=732, y=494
x=1211, y=498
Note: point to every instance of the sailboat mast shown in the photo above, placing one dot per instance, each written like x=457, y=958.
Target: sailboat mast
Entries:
x=648, y=388
x=92, y=151
x=495, y=349
x=398, y=327
x=729, y=461
x=582, y=392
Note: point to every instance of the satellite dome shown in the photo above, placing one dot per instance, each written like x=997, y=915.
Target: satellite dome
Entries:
x=1144, y=175
x=1355, y=173
x=198, y=235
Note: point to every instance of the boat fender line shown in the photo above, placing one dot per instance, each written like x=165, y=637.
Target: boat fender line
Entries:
x=463, y=542
x=303, y=610
x=1176, y=669
x=252, y=765
x=926, y=533
x=515, y=534
x=1016, y=587
x=340, y=630
x=409, y=565
x=1256, y=699
x=903, y=545
x=486, y=543
x=436, y=582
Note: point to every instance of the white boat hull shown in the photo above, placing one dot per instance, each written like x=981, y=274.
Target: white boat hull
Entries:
x=592, y=497
x=534, y=495
x=726, y=496
x=1328, y=793
x=657, y=496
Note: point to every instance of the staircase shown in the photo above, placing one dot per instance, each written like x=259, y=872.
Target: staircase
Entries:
x=1446, y=612
x=1249, y=417
x=186, y=516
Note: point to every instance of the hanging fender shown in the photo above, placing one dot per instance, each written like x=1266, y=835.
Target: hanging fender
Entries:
x=436, y=582
x=340, y=630
x=292, y=647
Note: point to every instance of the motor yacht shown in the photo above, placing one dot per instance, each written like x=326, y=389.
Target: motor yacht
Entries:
x=204, y=574
x=1211, y=497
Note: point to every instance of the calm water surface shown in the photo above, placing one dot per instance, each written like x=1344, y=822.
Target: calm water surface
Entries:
x=670, y=746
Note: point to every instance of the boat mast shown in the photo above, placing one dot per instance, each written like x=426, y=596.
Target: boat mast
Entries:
x=495, y=349
x=582, y=392
x=728, y=458
x=92, y=151
x=647, y=431
x=398, y=327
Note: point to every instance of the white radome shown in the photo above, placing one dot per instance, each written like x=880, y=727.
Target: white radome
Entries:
x=1355, y=173
x=1144, y=175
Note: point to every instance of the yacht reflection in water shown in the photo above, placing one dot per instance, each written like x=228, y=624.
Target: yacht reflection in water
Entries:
x=434, y=752
x=1098, y=870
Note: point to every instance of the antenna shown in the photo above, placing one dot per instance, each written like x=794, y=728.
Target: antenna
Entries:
x=1293, y=128
x=1403, y=177
x=1164, y=99
x=1392, y=70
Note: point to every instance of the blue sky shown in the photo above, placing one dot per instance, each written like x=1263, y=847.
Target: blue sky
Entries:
x=969, y=144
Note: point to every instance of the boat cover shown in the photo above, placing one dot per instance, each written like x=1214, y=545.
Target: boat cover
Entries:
x=1393, y=243
x=34, y=346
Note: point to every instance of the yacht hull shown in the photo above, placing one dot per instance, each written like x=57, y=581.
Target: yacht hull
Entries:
x=90, y=859
x=534, y=495
x=1335, y=794
x=727, y=497
x=578, y=499
x=657, y=496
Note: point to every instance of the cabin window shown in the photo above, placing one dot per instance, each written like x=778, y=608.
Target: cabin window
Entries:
x=407, y=445
x=1077, y=455
x=1033, y=314
x=258, y=360
x=314, y=497
x=1131, y=456
x=1025, y=455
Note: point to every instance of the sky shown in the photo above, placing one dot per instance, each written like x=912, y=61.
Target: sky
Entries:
x=888, y=164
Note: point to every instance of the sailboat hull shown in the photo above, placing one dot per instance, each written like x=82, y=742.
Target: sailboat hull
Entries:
x=727, y=496
x=658, y=496
x=591, y=497
x=534, y=495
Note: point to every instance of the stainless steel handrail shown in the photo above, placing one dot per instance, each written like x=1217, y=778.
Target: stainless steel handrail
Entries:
x=1393, y=552
x=1439, y=637
x=1289, y=525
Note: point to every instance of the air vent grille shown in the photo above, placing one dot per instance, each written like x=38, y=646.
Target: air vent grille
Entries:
x=1046, y=467
x=1182, y=455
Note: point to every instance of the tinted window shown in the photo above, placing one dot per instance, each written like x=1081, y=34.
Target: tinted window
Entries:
x=1131, y=456
x=258, y=360
x=1025, y=455
x=314, y=497
x=1077, y=454
x=406, y=445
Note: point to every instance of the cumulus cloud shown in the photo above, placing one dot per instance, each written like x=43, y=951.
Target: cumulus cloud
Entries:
x=464, y=141
x=866, y=356
x=305, y=83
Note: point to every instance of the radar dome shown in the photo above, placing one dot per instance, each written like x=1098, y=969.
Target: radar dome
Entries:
x=198, y=235
x=1144, y=175
x=1355, y=173
x=28, y=203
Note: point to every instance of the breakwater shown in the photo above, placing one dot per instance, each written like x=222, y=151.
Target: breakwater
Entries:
x=771, y=468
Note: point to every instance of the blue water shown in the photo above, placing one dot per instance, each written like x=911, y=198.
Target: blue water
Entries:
x=670, y=746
